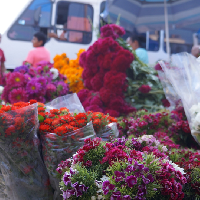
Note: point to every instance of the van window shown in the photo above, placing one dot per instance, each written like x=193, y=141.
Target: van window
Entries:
x=73, y=22
x=25, y=26
x=180, y=41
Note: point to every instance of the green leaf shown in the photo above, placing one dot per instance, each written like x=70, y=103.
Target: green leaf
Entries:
x=41, y=118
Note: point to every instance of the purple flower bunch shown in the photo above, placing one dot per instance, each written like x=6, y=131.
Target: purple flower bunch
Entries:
x=42, y=83
x=133, y=177
x=77, y=189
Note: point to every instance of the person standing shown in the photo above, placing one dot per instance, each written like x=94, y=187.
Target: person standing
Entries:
x=40, y=53
x=2, y=63
x=135, y=42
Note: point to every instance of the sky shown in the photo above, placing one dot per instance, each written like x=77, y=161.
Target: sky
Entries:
x=9, y=11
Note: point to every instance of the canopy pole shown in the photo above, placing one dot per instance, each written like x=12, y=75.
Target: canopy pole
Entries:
x=167, y=29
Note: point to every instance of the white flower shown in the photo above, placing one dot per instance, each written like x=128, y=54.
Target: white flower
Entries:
x=54, y=72
x=196, y=122
x=1, y=89
x=194, y=110
x=105, y=178
x=164, y=149
x=176, y=167
x=93, y=198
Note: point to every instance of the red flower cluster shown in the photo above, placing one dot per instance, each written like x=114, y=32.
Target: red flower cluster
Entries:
x=112, y=30
x=61, y=122
x=105, y=65
x=114, y=154
x=171, y=181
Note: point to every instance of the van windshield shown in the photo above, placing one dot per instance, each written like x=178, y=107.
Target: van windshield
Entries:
x=26, y=25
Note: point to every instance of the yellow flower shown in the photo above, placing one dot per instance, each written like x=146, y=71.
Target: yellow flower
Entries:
x=71, y=69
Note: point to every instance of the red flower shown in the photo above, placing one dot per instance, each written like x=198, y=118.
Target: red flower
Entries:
x=115, y=81
x=82, y=94
x=122, y=61
x=106, y=95
x=117, y=104
x=96, y=101
x=96, y=82
x=158, y=67
x=112, y=30
x=82, y=59
x=112, y=113
x=165, y=103
x=105, y=61
x=93, y=108
x=87, y=73
x=145, y=89
x=87, y=84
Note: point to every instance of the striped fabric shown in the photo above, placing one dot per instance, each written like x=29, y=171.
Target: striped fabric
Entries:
x=147, y=15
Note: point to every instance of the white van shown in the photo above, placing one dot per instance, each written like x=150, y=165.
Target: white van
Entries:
x=75, y=17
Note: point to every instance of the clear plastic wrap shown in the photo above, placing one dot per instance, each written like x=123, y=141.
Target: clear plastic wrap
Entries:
x=169, y=91
x=184, y=74
x=21, y=165
x=70, y=101
x=59, y=148
x=109, y=132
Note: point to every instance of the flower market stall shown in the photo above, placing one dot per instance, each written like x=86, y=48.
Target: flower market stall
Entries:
x=114, y=140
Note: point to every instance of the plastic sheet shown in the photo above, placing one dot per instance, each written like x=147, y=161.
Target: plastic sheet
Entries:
x=109, y=132
x=184, y=75
x=169, y=91
x=59, y=148
x=70, y=101
x=21, y=165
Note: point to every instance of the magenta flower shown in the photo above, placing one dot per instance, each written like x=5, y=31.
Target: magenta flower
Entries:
x=126, y=197
x=68, y=194
x=33, y=87
x=66, y=178
x=17, y=95
x=79, y=189
x=144, y=89
x=16, y=79
x=119, y=176
x=158, y=67
x=62, y=88
x=116, y=195
x=51, y=88
x=107, y=186
x=131, y=181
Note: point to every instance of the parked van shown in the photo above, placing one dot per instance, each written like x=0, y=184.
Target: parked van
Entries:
x=74, y=20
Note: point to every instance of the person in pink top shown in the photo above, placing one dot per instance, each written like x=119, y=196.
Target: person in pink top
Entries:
x=40, y=53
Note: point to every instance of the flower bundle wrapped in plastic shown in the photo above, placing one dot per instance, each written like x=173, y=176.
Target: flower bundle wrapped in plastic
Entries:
x=184, y=75
x=42, y=83
x=63, y=131
x=71, y=69
x=136, y=168
x=23, y=170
